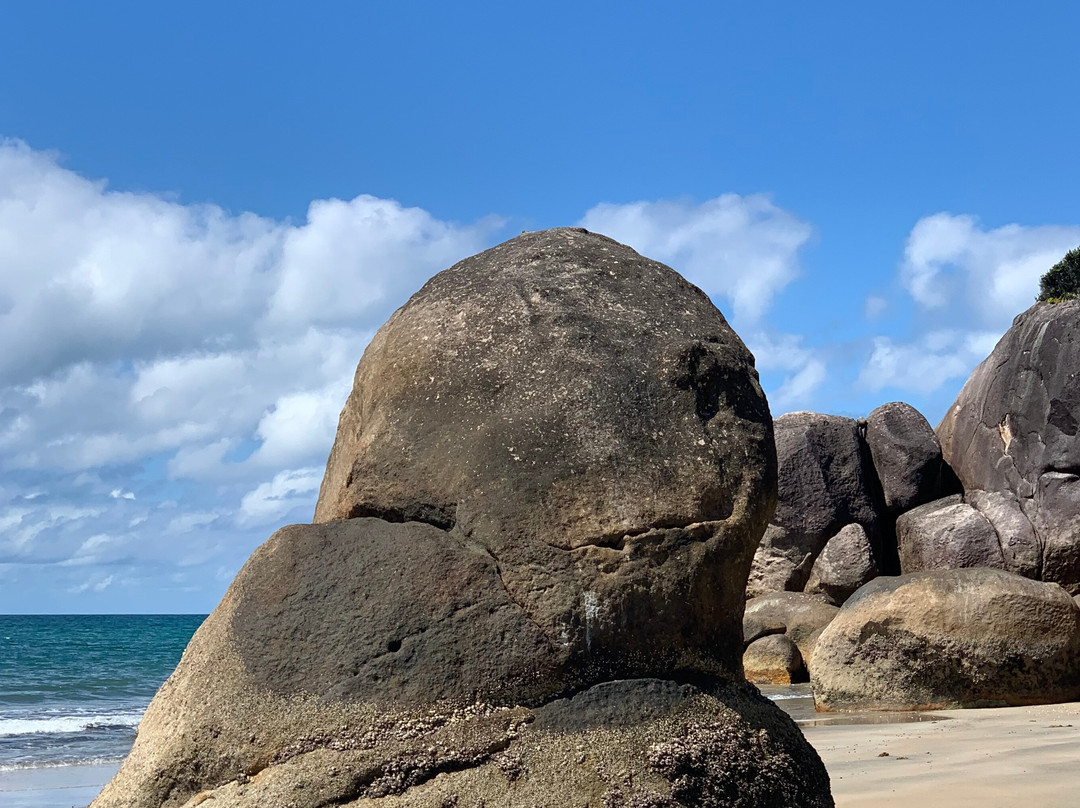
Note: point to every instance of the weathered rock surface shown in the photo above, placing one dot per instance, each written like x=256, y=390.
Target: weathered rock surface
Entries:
x=947, y=534
x=565, y=404
x=626, y=743
x=826, y=481
x=846, y=563
x=951, y=638
x=1013, y=429
x=1020, y=549
x=798, y=615
x=551, y=473
x=906, y=454
x=773, y=659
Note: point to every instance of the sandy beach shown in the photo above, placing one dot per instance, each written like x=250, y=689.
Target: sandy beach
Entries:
x=53, y=786
x=994, y=758
x=988, y=758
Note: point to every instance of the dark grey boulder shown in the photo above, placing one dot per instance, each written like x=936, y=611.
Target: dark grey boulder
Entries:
x=947, y=534
x=773, y=659
x=846, y=563
x=552, y=473
x=949, y=638
x=1013, y=429
x=826, y=481
x=907, y=456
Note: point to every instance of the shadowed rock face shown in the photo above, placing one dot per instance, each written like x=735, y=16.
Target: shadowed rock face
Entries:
x=1013, y=429
x=949, y=638
x=551, y=473
x=826, y=482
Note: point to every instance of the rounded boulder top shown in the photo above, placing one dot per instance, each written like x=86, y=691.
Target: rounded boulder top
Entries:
x=558, y=387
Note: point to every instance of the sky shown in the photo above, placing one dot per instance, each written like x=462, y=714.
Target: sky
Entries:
x=207, y=209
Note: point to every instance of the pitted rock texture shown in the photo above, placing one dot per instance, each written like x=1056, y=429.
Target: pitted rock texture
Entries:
x=949, y=638
x=1013, y=429
x=590, y=420
x=558, y=388
x=551, y=473
x=621, y=744
x=907, y=456
x=947, y=534
x=826, y=481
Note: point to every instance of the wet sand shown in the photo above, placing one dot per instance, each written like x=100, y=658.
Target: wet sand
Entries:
x=54, y=786
x=993, y=758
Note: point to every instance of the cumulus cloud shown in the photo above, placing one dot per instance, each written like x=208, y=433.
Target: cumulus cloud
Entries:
x=953, y=259
x=738, y=248
x=967, y=282
x=180, y=368
x=270, y=501
x=925, y=364
x=200, y=351
x=801, y=371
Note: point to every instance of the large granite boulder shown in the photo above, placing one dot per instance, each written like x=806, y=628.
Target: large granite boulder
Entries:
x=1013, y=430
x=949, y=638
x=551, y=474
x=801, y=617
x=907, y=456
x=826, y=481
x=947, y=534
x=846, y=563
x=773, y=659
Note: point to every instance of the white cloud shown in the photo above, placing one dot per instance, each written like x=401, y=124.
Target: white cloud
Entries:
x=924, y=365
x=270, y=501
x=119, y=493
x=801, y=370
x=146, y=326
x=968, y=283
x=742, y=248
x=953, y=260
x=874, y=307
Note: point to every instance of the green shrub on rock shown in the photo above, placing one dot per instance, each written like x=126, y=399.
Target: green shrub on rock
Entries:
x=1062, y=280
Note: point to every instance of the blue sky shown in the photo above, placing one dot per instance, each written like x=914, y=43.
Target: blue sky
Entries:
x=207, y=209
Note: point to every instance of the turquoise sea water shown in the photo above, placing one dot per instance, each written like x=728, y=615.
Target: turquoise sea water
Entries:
x=73, y=687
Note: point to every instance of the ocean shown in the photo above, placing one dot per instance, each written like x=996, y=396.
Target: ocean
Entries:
x=73, y=687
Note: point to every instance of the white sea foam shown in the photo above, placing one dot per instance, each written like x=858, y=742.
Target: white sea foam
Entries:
x=36, y=725
x=57, y=764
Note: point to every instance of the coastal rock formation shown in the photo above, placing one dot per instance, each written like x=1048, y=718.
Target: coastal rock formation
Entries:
x=947, y=534
x=906, y=454
x=1013, y=431
x=799, y=616
x=950, y=638
x=773, y=659
x=825, y=483
x=551, y=474
x=846, y=563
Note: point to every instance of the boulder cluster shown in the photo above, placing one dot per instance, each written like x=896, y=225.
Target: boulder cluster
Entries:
x=559, y=530
x=974, y=530
x=525, y=580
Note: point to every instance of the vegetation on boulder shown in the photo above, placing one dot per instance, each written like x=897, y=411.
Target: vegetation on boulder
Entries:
x=1062, y=280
